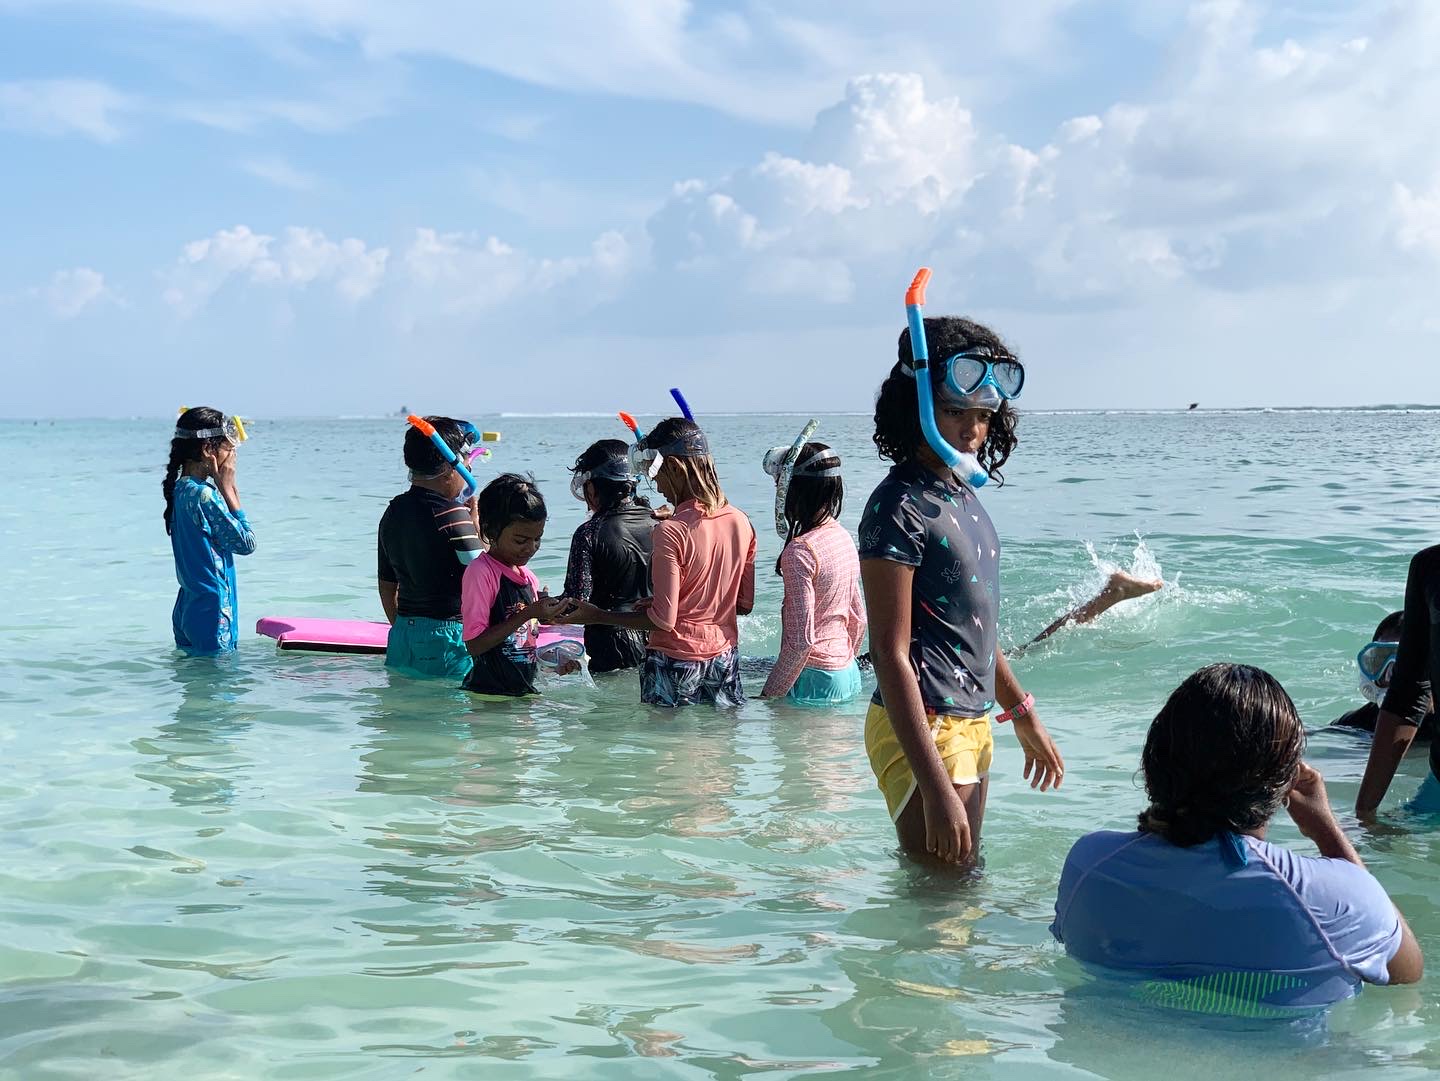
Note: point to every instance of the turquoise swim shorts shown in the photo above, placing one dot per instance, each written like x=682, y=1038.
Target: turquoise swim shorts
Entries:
x=820, y=687
x=418, y=646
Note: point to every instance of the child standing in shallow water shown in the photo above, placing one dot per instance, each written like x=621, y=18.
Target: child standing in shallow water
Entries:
x=610, y=552
x=501, y=600
x=207, y=530
x=823, y=613
x=930, y=561
x=703, y=572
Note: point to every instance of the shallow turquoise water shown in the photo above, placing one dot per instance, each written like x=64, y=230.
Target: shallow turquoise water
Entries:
x=292, y=866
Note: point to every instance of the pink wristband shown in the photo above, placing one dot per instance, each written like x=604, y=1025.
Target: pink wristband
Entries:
x=1017, y=711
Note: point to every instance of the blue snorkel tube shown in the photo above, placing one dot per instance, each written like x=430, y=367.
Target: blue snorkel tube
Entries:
x=966, y=465
x=426, y=428
x=684, y=406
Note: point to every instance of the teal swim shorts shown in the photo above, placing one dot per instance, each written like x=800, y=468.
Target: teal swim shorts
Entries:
x=418, y=646
x=821, y=687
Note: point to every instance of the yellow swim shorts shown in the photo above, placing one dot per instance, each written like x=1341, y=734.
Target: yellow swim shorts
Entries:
x=965, y=744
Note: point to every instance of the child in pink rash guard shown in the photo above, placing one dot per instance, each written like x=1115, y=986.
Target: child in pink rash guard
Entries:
x=823, y=612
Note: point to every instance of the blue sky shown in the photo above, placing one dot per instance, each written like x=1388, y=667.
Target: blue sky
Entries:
x=343, y=206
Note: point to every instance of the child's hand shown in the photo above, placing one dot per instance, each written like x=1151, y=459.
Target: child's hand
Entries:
x=663, y=511
x=547, y=609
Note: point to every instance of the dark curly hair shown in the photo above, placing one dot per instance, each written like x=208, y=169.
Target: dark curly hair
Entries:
x=1220, y=755
x=509, y=498
x=897, y=412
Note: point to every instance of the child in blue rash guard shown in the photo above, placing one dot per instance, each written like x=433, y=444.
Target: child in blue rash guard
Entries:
x=207, y=530
x=1197, y=909
x=427, y=538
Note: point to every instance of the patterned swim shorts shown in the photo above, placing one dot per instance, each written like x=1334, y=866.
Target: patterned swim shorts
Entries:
x=670, y=681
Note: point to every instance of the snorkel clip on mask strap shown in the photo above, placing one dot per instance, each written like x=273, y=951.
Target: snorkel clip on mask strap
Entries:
x=966, y=465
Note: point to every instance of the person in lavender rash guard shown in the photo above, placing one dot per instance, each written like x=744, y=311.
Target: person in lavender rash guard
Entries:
x=1196, y=906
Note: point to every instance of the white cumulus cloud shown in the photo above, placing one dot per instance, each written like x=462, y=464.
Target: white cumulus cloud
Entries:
x=302, y=257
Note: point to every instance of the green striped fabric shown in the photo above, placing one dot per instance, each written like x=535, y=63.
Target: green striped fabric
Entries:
x=1234, y=994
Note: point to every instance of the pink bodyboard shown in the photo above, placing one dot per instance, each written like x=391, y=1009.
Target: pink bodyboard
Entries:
x=362, y=636
x=325, y=635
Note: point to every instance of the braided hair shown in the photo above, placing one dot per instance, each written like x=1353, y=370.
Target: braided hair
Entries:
x=183, y=451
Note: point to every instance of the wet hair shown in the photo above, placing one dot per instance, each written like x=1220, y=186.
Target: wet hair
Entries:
x=422, y=456
x=184, y=451
x=812, y=500
x=609, y=493
x=508, y=499
x=699, y=470
x=897, y=417
x=1389, y=628
x=1220, y=755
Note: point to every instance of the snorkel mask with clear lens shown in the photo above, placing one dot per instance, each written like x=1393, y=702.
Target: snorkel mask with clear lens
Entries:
x=232, y=430
x=780, y=463
x=646, y=460
x=980, y=381
x=616, y=469
x=1376, y=663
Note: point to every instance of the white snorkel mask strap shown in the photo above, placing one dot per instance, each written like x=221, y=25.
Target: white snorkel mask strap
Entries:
x=779, y=462
x=232, y=430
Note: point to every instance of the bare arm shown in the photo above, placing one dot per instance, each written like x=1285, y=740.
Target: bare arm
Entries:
x=1309, y=808
x=1388, y=746
x=1043, y=765
x=389, y=599
x=745, y=600
x=888, y=600
x=543, y=609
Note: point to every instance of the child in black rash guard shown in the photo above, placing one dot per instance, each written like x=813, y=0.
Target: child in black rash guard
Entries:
x=610, y=552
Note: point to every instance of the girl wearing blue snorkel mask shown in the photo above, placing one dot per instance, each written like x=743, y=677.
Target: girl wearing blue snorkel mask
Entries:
x=930, y=565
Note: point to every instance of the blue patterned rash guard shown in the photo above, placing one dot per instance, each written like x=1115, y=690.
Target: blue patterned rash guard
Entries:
x=941, y=530
x=206, y=537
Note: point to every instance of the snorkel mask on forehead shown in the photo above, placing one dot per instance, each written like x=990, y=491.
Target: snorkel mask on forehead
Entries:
x=457, y=461
x=1376, y=663
x=232, y=430
x=784, y=464
x=646, y=460
x=972, y=380
x=615, y=468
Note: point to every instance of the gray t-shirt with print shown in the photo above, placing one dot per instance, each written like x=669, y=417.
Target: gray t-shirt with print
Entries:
x=941, y=529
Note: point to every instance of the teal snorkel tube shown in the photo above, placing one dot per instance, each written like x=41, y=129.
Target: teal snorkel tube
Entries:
x=426, y=428
x=966, y=465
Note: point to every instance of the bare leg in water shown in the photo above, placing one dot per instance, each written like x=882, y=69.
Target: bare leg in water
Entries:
x=1118, y=587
